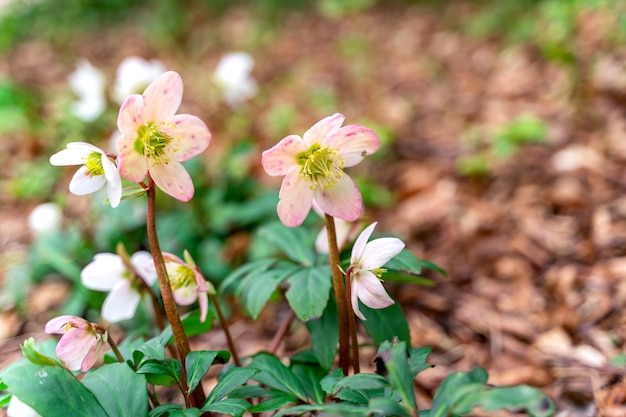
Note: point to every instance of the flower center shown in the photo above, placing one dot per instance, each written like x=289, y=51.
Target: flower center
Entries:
x=151, y=143
x=181, y=276
x=321, y=166
x=93, y=163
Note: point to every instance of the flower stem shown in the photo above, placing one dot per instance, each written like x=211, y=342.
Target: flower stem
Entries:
x=224, y=324
x=340, y=296
x=282, y=331
x=115, y=350
x=352, y=324
x=182, y=343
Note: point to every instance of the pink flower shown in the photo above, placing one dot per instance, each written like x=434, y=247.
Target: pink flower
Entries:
x=366, y=269
x=313, y=168
x=81, y=344
x=188, y=284
x=107, y=272
x=156, y=140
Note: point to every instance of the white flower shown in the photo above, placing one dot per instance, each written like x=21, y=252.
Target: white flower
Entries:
x=366, y=269
x=108, y=273
x=134, y=74
x=18, y=409
x=96, y=171
x=88, y=84
x=232, y=75
x=45, y=218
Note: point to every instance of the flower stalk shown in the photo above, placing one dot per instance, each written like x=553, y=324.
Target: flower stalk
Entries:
x=352, y=325
x=225, y=328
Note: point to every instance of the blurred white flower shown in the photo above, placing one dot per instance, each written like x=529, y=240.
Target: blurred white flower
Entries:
x=87, y=82
x=232, y=76
x=45, y=218
x=18, y=409
x=134, y=74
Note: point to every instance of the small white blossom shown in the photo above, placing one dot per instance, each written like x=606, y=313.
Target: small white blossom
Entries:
x=45, y=218
x=134, y=74
x=232, y=75
x=88, y=84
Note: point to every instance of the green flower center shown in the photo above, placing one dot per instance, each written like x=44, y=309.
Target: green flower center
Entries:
x=181, y=276
x=93, y=163
x=151, y=143
x=321, y=166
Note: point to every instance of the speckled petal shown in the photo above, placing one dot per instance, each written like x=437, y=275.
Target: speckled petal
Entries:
x=354, y=142
x=131, y=116
x=162, y=98
x=295, y=199
x=279, y=159
x=131, y=165
x=190, y=136
x=323, y=129
x=173, y=179
x=342, y=200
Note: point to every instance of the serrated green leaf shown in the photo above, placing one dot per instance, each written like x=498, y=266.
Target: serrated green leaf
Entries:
x=52, y=391
x=231, y=406
x=398, y=367
x=309, y=290
x=294, y=242
x=120, y=391
x=232, y=379
x=260, y=287
x=418, y=360
x=310, y=375
x=386, y=323
x=276, y=375
x=198, y=362
x=169, y=368
x=152, y=349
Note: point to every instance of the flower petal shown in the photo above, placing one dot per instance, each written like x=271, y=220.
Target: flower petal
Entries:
x=84, y=183
x=162, y=98
x=322, y=129
x=342, y=200
x=131, y=116
x=93, y=354
x=354, y=296
x=279, y=159
x=121, y=303
x=114, y=182
x=371, y=291
x=190, y=136
x=185, y=295
x=74, y=154
x=57, y=324
x=295, y=199
x=132, y=165
x=173, y=179
x=354, y=142
x=379, y=251
x=103, y=273
x=74, y=346
x=359, y=245
x=144, y=266
x=203, y=301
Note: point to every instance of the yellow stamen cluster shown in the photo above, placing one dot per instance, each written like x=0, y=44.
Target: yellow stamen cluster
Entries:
x=321, y=166
x=93, y=163
x=181, y=276
x=151, y=143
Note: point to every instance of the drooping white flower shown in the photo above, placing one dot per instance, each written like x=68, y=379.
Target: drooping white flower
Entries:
x=19, y=409
x=107, y=272
x=366, y=269
x=232, y=75
x=134, y=74
x=88, y=84
x=96, y=170
x=45, y=218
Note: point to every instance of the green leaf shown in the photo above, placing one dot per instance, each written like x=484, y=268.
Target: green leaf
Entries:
x=232, y=379
x=408, y=263
x=254, y=391
x=34, y=356
x=52, y=391
x=152, y=349
x=274, y=403
x=192, y=324
x=260, y=287
x=360, y=381
x=294, y=242
x=198, y=362
x=132, y=191
x=334, y=409
x=531, y=400
x=231, y=406
x=241, y=274
x=386, y=323
x=455, y=388
x=276, y=375
x=309, y=290
x=418, y=360
x=387, y=407
x=329, y=381
x=325, y=335
x=159, y=410
x=310, y=375
x=167, y=372
x=400, y=374
x=121, y=391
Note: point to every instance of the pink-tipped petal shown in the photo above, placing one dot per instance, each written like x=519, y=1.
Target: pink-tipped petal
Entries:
x=354, y=142
x=203, y=301
x=131, y=116
x=190, y=136
x=132, y=165
x=103, y=273
x=74, y=346
x=322, y=129
x=83, y=183
x=93, y=355
x=162, y=98
x=121, y=303
x=295, y=199
x=173, y=179
x=354, y=296
x=359, y=245
x=371, y=291
x=342, y=200
x=379, y=251
x=279, y=159
x=57, y=325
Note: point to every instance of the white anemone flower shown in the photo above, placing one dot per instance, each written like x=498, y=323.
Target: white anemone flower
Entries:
x=366, y=269
x=88, y=84
x=107, y=272
x=19, y=409
x=45, y=218
x=134, y=74
x=232, y=75
x=96, y=170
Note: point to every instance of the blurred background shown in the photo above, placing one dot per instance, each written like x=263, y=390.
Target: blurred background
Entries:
x=503, y=145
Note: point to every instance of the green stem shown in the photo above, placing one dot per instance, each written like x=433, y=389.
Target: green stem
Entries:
x=197, y=398
x=340, y=296
x=224, y=324
x=352, y=323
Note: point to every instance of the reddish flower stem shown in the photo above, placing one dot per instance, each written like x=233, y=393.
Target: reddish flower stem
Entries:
x=282, y=331
x=224, y=324
x=352, y=324
x=340, y=296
